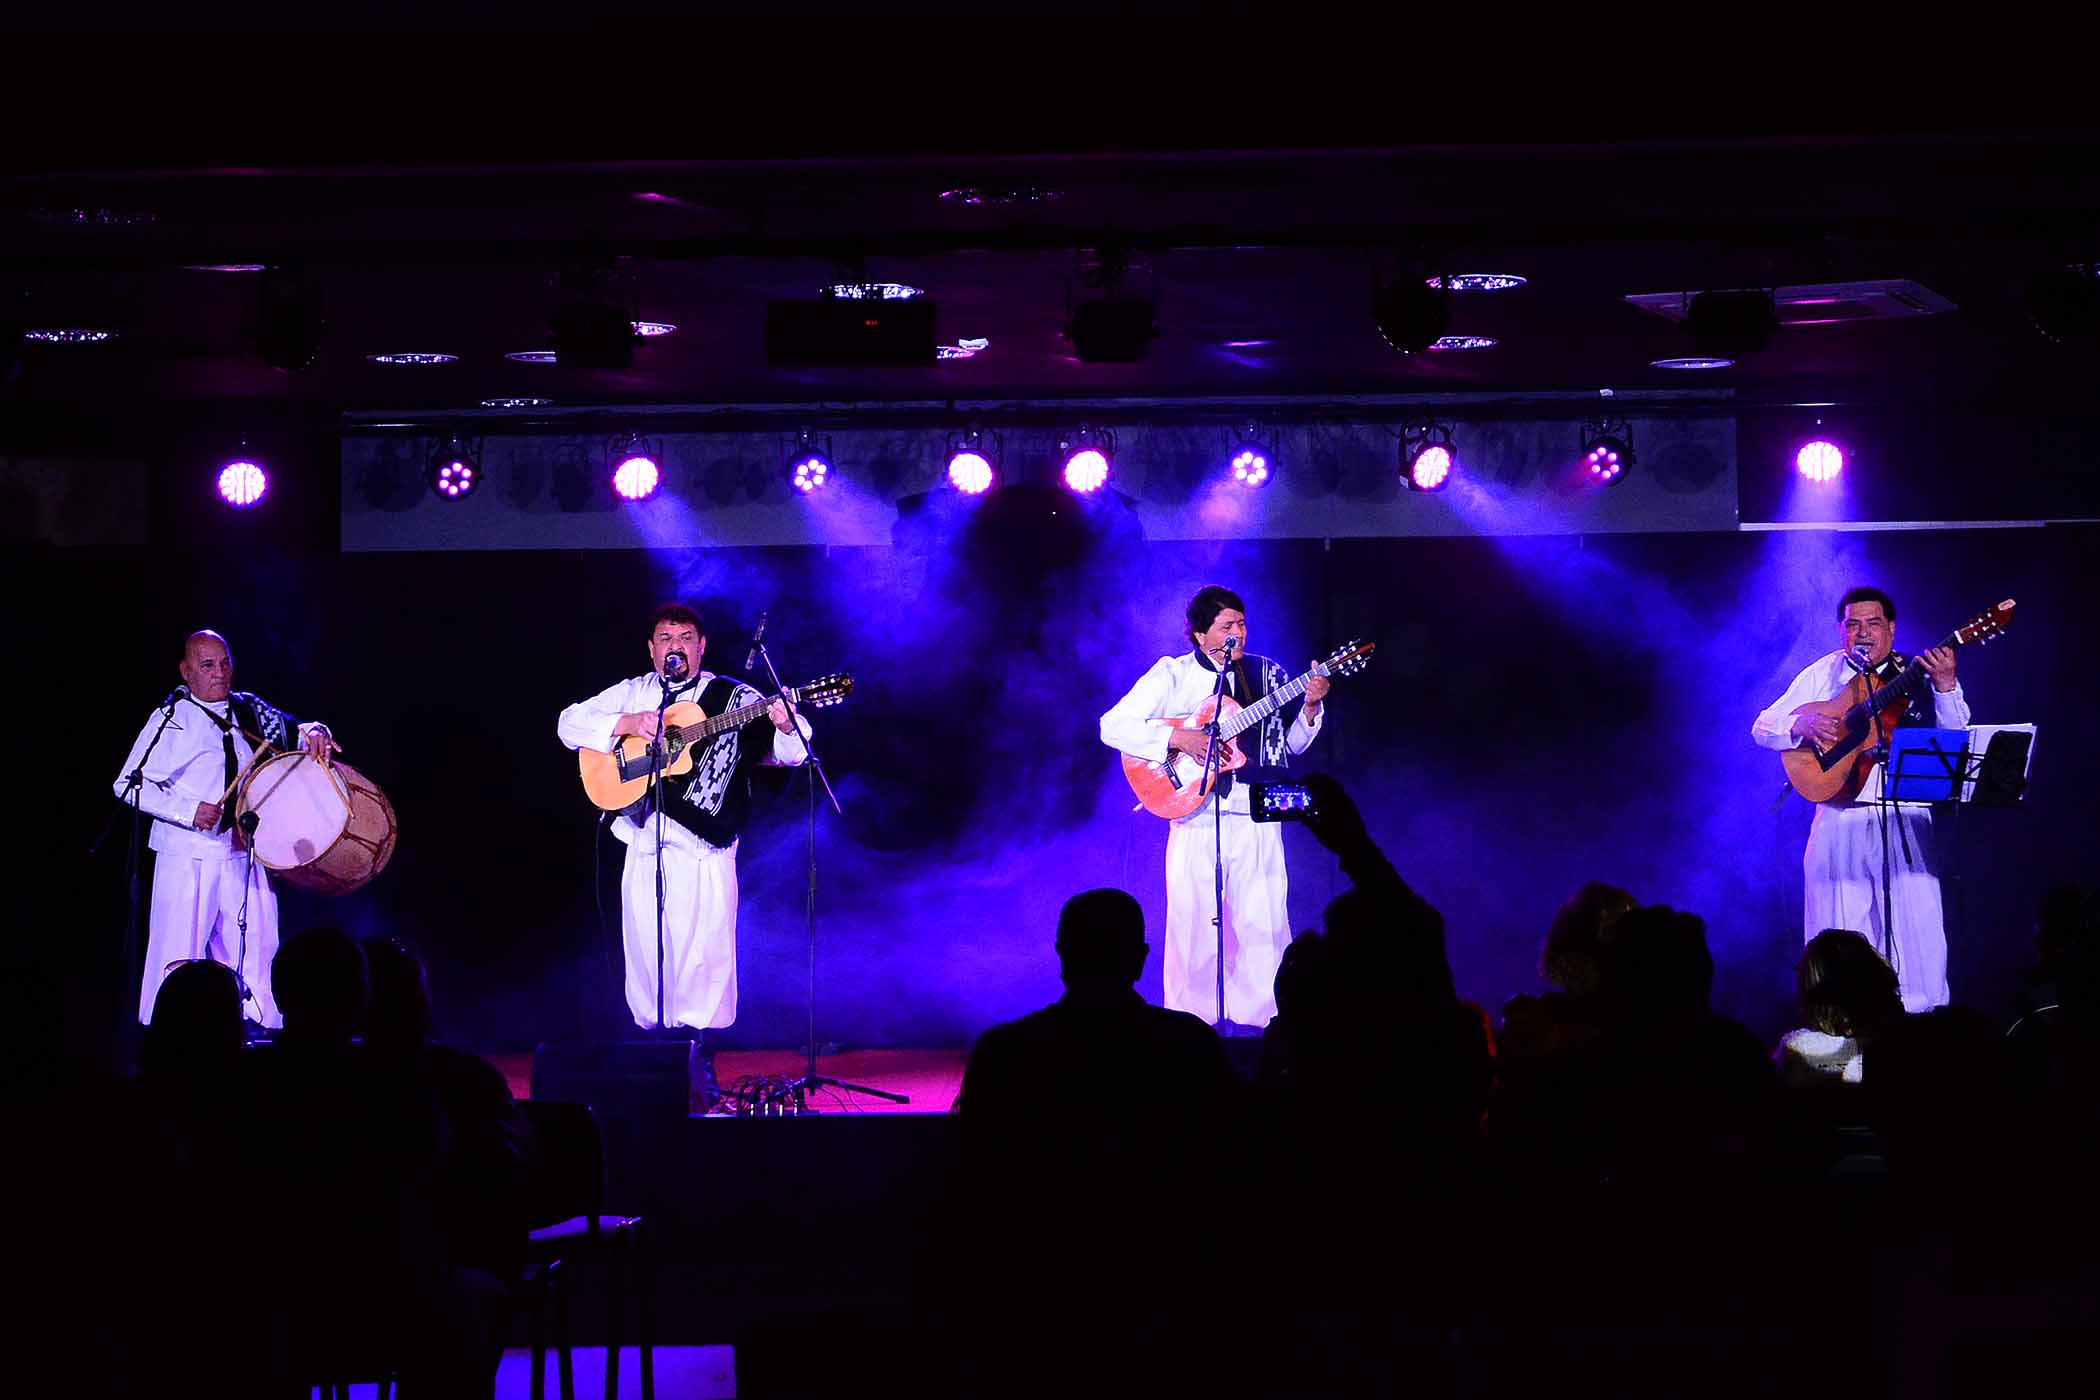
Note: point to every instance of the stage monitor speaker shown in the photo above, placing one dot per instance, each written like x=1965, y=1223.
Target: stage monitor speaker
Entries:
x=837, y=332
x=620, y=1078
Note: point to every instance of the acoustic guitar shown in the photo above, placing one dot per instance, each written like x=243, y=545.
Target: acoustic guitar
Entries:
x=617, y=780
x=1177, y=786
x=1837, y=774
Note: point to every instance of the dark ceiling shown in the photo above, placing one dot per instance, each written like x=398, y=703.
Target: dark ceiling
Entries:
x=415, y=251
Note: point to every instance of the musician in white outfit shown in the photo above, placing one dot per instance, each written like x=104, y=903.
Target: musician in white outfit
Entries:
x=703, y=815
x=1257, y=887
x=1842, y=867
x=210, y=900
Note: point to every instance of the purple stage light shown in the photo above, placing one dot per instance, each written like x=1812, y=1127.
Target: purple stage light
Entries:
x=414, y=357
x=810, y=472
x=1820, y=461
x=1086, y=470
x=455, y=478
x=1431, y=468
x=649, y=330
x=1250, y=467
x=970, y=473
x=242, y=484
x=1604, y=465
x=637, y=477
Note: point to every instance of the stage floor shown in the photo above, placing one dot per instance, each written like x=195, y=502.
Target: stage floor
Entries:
x=929, y=1078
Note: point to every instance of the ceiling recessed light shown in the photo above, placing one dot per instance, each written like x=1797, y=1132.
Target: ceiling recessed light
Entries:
x=871, y=291
x=532, y=357
x=1245, y=344
x=413, y=357
x=515, y=403
x=1465, y=342
x=224, y=267
x=69, y=335
x=96, y=218
x=1480, y=281
x=1001, y=194
x=1692, y=362
x=652, y=328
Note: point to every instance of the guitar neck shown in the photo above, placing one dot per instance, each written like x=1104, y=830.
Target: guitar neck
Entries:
x=729, y=719
x=1904, y=686
x=1268, y=705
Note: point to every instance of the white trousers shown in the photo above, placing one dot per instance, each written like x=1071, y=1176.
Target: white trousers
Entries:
x=1841, y=888
x=699, y=929
x=1257, y=917
x=197, y=914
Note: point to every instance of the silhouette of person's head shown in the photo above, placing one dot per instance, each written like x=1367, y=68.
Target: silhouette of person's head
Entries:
x=1845, y=986
x=1101, y=940
x=322, y=984
x=2067, y=940
x=1571, y=955
x=196, y=1020
x=400, y=1011
x=1656, y=965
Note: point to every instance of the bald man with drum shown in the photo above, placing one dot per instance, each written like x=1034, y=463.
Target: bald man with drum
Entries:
x=209, y=899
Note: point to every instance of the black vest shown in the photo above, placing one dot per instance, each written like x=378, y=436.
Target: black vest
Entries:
x=1923, y=710
x=713, y=798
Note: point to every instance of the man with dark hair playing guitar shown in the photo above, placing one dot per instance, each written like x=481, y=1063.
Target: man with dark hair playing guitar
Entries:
x=1144, y=725
x=703, y=809
x=1843, y=867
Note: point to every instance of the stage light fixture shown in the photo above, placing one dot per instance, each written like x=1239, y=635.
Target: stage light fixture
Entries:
x=1820, y=461
x=1727, y=324
x=1412, y=315
x=1607, y=450
x=1427, y=457
x=290, y=326
x=1250, y=460
x=809, y=465
x=242, y=481
x=1089, y=456
x=636, y=470
x=973, y=459
x=455, y=468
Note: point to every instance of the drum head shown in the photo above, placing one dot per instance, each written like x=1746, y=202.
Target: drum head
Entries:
x=301, y=809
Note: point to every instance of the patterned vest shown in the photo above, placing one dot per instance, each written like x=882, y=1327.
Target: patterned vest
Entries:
x=713, y=799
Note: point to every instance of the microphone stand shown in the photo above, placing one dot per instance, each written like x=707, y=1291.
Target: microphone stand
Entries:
x=133, y=782
x=793, y=1097
x=1213, y=767
x=656, y=792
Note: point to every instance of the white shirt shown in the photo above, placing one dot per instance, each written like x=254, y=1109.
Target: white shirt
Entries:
x=1178, y=686
x=1823, y=679
x=188, y=767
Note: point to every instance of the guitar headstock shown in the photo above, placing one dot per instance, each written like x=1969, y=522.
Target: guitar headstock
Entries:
x=824, y=690
x=1985, y=625
x=1347, y=659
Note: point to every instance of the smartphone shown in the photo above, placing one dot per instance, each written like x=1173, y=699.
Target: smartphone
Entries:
x=1278, y=802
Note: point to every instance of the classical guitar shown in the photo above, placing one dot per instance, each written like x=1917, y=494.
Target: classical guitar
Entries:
x=1177, y=786
x=1836, y=774
x=617, y=780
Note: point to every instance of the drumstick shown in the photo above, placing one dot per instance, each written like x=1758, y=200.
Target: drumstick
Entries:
x=262, y=746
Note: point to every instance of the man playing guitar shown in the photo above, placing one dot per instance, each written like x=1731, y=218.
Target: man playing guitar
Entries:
x=1257, y=914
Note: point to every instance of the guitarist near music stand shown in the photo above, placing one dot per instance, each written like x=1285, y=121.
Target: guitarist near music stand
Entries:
x=1870, y=866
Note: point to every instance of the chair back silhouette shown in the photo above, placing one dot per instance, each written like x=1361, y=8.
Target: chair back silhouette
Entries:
x=566, y=1195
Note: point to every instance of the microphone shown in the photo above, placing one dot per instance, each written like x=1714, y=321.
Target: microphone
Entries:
x=674, y=665
x=1232, y=644
x=250, y=820
x=751, y=661
x=1856, y=658
x=174, y=695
